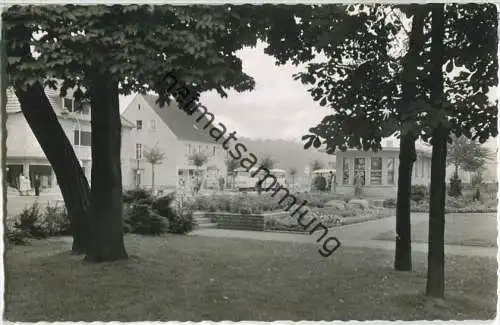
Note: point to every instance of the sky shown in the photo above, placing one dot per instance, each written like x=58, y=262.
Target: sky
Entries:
x=278, y=108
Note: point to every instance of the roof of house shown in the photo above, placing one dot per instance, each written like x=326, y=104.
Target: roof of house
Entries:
x=184, y=126
x=392, y=144
x=14, y=106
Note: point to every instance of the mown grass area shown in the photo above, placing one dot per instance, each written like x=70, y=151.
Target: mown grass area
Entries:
x=201, y=278
x=468, y=229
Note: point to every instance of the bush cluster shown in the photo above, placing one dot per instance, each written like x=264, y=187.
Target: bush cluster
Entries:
x=35, y=223
x=419, y=193
x=147, y=215
x=462, y=204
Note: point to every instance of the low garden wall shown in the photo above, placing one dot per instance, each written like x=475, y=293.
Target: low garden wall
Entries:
x=238, y=221
x=283, y=221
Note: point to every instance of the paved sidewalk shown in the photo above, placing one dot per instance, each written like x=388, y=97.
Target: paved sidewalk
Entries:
x=351, y=242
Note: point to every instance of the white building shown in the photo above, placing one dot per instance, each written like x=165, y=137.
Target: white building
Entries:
x=379, y=170
x=24, y=154
x=178, y=136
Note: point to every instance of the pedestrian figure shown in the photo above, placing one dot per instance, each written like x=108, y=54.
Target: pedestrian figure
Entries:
x=36, y=183
x=330, y=179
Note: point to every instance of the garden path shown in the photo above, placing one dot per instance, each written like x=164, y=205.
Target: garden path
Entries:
x=355, y=235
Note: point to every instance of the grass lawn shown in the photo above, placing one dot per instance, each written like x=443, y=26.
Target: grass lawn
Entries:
x=201, y=278
x=469, y=229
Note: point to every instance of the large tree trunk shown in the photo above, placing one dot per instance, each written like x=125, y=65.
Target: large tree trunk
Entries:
x=407, y=154
x=70, y=177
x=435, y=258
x=402, y=259
x=106, y=191
x=45, y=126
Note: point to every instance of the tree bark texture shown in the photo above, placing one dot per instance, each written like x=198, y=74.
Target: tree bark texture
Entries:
x=107, y=233
x=407, y=153
x=435, y=257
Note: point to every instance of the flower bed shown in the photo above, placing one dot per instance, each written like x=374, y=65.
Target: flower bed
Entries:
x=329, y=217
x=255, y=204
x=460, y=205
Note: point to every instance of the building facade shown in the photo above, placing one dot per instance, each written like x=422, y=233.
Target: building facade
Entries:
x=26, y=157
x=378, y=171
x=178, y=136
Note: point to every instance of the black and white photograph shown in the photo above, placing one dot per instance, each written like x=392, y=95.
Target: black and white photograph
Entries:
x=249, y=161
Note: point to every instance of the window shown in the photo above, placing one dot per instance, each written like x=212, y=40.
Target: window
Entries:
x=139, y=107
x=85, y=139
x=139, y=124
x=68, y=104
x=345, y=170
x=376, y=171
x=82, y=138
x=152, y=125
x=359, y=169
x=390, y=171
x=138, y=151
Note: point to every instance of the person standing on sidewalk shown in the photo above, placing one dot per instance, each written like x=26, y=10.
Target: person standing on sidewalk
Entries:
x=36, y=184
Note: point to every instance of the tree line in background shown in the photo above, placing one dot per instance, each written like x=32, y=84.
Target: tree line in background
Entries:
x=379, y=78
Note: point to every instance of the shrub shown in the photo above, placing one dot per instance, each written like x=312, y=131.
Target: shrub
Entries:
x=16, y=236
x=141, y=219
x=136, y=195
x=419, y=193
x=389, y=203
x=455, y=186
x=28, y=222
x=319, y=183
x=181, y=223
x=56, y=221
x=177, y=223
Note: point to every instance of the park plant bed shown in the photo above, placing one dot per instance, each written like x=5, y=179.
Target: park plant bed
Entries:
x=249, y=203
x=327, y=216
x=460, y=205
x=464, y=203
x=283, y=221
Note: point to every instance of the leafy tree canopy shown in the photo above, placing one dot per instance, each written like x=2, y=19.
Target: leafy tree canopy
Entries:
x=154, y=155
x=467, y=154
x=360, y=77
x=136, y=45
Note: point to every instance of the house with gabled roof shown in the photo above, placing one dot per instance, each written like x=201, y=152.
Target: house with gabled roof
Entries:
x=178, y=136
x=24, y=154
